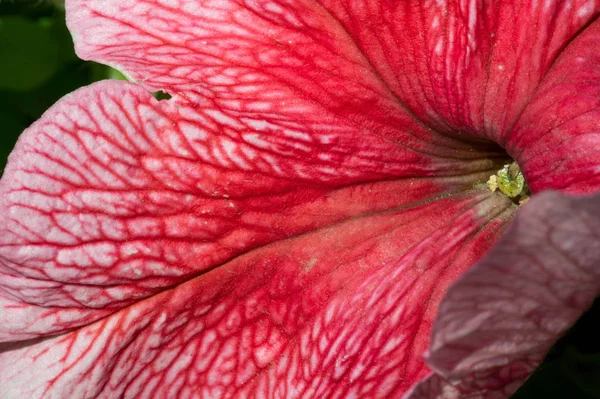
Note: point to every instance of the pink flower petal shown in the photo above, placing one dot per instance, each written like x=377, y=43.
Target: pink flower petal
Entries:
x=113, y=196
x=265, y=60
x=501, y=317
x=344, y=310
x=287, y=223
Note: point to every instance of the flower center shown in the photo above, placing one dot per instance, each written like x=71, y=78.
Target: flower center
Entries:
x=510, y=181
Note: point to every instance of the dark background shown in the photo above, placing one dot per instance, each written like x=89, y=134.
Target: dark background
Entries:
x=38, y=66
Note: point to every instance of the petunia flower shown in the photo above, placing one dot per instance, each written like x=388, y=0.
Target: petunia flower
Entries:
x=287, y=224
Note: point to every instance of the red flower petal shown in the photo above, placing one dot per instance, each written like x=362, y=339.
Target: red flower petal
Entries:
x=557, y=138
x=121, y=212
x=265, y=60
x=345, y=310
x=464, y=66
x=113, y=196
x=286, y=224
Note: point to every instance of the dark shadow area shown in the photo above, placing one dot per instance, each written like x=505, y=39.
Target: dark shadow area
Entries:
x=571, y=370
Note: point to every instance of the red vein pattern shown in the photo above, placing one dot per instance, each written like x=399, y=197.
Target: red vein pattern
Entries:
x=286, y=225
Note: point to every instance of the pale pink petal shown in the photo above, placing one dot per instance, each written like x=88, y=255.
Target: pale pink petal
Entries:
x=497, y=322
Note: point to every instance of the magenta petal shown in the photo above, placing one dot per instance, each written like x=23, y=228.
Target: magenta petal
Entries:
x=497, y=322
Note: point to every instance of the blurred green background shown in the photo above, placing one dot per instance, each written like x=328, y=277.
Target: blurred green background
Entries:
x=38, y=66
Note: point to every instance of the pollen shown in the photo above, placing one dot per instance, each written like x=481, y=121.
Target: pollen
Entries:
x=510, y=181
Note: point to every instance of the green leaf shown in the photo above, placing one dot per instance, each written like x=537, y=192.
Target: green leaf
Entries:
x=29, y=53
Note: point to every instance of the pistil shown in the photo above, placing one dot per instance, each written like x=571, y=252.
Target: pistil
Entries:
x=510, y=181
